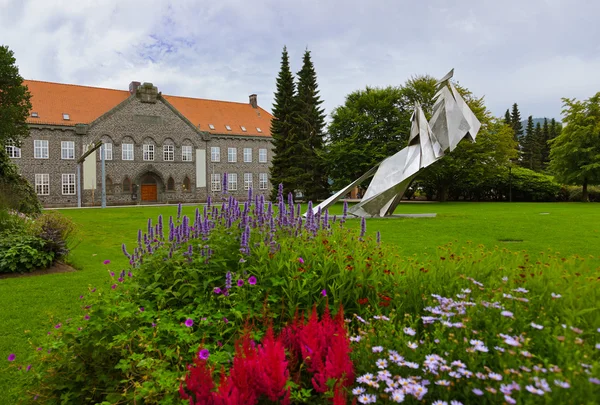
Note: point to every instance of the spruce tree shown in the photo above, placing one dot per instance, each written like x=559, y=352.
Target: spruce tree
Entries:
x=507, y=120
x=527, y=144
x=544, y=146
x=310, y=126
x=515, y=119
x=536, y=150
x=284, y=168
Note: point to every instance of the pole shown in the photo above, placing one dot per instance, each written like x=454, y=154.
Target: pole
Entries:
x=79, y=185
x=102, y=148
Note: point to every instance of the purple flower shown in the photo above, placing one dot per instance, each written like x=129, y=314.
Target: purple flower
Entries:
x=81, y=297
x=106, y=261
x=225, y=320
x=87, y=317
x=203, y=354
x=363, y=227
x=217, y=290
x=28, y=368
x=113, y=286
x=58, y=326
x=153, y=325
x=301, y=260
x=112, y=273
x=142, y=309
x=507, y=314
x=189, y=322
x=477, y=391
x=593, y=380
x=252, y=280
x=324, y=293
x=12, y=357
x=240, y=282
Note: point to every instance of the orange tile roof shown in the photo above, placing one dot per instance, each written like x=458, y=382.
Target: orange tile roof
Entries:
x=221, y=113
x=84, y=104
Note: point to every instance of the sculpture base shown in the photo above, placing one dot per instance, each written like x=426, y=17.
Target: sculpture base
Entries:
x=429, y=215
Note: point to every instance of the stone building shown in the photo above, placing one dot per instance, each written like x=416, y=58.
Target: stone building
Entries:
x=158, y=148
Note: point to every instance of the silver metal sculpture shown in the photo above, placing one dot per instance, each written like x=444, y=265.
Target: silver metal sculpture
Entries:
x=452, y=120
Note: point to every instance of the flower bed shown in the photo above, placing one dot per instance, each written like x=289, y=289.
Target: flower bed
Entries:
x=243, y=290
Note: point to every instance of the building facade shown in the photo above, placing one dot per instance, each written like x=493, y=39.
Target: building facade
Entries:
x=157, y=148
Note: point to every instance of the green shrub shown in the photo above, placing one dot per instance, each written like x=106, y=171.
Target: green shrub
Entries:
x=576, y=192
x=528, y=185
x=23, y=253
x=59, y=232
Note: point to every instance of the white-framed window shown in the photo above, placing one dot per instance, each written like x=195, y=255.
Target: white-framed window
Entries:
x=168, y=153
x=107, y=151
x=127, y=151
x=67, y=150
x=68, y=184
x=232, y=155
x=262, y=156
x=42, y=184
x=215, y=182
x=263, y=180
x=247, y=181
x=248, y=155
x=148, y=152
x=40, y=149
x=186, y=153
x=232, y=181
x=215, y=154
x=12, y=150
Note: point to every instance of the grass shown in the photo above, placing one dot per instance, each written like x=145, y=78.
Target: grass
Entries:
x=29, y=304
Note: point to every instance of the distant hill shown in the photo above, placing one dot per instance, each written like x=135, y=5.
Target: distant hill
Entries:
x=536, y=120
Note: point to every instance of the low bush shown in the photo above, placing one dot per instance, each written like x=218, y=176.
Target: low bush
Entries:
x=23, y=253
x=59, y=232
x=234, y=271
x=575, y=193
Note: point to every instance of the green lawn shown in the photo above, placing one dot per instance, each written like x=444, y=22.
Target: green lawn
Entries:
x=29, y=303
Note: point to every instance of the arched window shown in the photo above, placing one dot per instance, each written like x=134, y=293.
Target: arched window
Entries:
x=170, y=184
x=126, y=185
x=186, y=184
x=109, y=185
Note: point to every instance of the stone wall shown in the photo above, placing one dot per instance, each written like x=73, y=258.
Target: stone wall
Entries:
x=142, y=121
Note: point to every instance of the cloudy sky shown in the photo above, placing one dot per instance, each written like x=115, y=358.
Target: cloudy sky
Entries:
x=532, y=52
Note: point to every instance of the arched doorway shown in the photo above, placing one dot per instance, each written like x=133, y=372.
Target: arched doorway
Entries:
x=149, y=188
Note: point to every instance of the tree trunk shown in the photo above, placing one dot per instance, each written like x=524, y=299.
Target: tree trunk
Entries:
x=442, y=194
x=584, y=192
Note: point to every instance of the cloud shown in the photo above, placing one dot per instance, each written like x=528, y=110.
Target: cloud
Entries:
x=532, y=53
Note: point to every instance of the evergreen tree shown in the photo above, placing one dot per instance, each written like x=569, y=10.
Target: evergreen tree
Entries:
x=507, y=119
x=555, y=129
x=310, y=125
x=515, y=119
x=536, y=150
x=285, y=168
x=527, y=144
x=544, y=146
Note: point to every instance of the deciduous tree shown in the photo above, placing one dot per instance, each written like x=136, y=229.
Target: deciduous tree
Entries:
x=575, y=153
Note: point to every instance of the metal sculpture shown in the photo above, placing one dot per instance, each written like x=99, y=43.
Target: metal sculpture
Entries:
x=452, y=120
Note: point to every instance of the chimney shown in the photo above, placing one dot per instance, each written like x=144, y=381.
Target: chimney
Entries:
x=133, y=87
x=253, y=101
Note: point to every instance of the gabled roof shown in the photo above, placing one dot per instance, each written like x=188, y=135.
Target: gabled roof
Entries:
x=85, y=104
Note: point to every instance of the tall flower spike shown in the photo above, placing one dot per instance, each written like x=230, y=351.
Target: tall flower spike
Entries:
x=363, y=227
x=178, y=211
x=160, y=227
x=250, y=194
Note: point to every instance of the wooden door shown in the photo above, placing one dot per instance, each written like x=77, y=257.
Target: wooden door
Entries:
x=149, y=192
